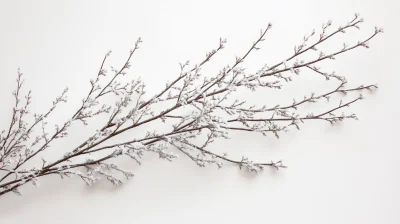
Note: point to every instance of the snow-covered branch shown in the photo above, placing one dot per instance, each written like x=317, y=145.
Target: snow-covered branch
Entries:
x=194, y=108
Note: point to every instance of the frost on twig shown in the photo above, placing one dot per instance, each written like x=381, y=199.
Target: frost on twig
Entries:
x=195, y=109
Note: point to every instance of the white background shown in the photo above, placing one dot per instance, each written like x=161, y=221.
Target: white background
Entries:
x=342, y=174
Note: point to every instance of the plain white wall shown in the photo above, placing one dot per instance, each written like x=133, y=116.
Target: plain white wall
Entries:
x=342, y=174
